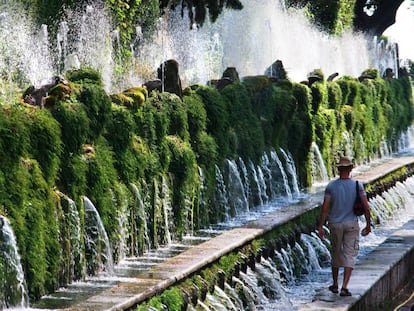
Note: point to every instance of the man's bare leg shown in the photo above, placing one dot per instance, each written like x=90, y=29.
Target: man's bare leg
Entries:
x=347, y=277
x=335, y=273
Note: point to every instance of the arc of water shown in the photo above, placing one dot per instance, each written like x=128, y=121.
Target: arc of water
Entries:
x=251, y=281
x=259, y=186
x=291, y=170
x=163, y=217
x=246, y=181
x=287, y=255
x=237, y=198
x=379, y=208
x=269, y=279
x=202, y=194
x=281, y=169
x=319, y=172
x=97, y=240
x=221, y=196
x=285, y=265
x=251, y=299
x=77, y=256
x=125, y=229
x=156, y=215
x=267, y=175
x=263, y=186
x=312, y=256
x=221, y=298
x=347, y=144
x=301, y=258
x=12, y=281
x=141, y=221
x=167, y=209
x=232, y=293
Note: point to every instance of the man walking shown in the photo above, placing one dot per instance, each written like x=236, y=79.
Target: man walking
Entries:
x=337, y=208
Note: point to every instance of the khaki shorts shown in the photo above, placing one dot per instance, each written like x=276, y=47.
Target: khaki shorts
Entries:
x=344, y=243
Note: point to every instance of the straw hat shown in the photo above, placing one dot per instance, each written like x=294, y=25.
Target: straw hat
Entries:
x=344, y=161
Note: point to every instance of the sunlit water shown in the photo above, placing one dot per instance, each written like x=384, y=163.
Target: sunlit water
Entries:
x=252, y=39
x=249, y=40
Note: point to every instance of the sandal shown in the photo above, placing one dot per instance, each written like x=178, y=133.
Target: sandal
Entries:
x=333, y=289
x=345, y=292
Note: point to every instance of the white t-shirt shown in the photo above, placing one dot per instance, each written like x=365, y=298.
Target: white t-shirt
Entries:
x=342, y=193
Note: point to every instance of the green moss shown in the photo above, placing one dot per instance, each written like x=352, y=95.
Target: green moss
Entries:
x=284, y=108
x=122, y=100
x=319, y=96
x=97, y=105
x=172, y=298
x=74, y=124
x=353, y=93
x=328, y=137
x=14, y=135
x=34, y=222
x=256, y=83
x=217, y=118
x=150, y=125
x=136, y=162
x=131, y=98
x=250, y=141
x=301, y=133
x=185, y=177
x=73, y=176
x=196, y=116
x=120, y=129
x=346, y=111
x=334, y=96
x=45, y=143
x=101, y=175
x=85, y=75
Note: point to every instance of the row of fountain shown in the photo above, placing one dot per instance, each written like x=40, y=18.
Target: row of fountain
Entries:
x=242, y=192
x=248, y=40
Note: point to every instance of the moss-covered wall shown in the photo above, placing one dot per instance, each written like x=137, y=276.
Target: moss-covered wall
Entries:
x=105, y=146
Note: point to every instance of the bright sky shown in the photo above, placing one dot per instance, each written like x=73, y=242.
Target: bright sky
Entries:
x=401, y=31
